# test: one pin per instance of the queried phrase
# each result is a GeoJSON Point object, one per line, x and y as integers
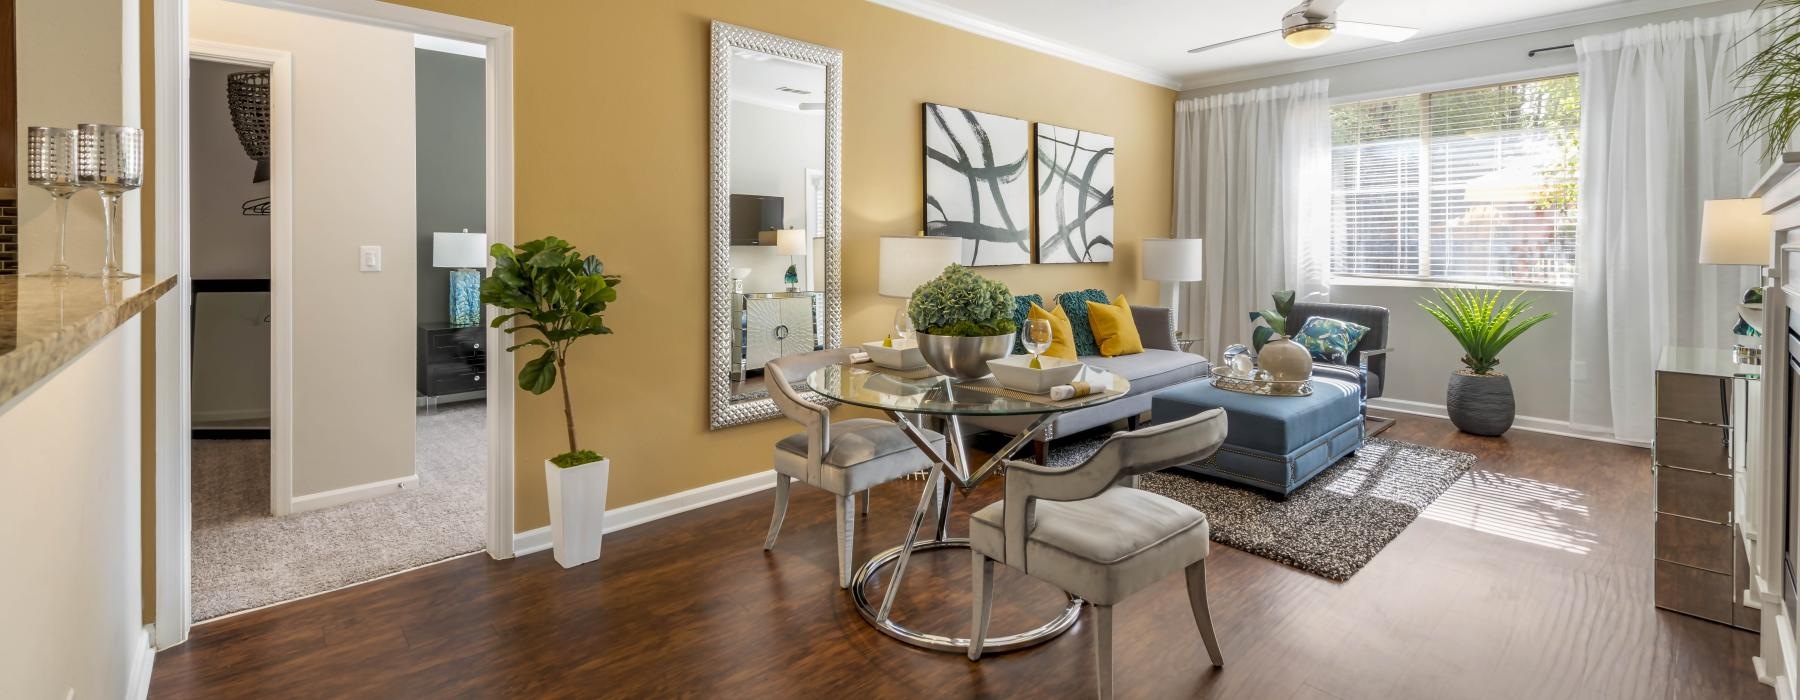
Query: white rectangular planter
{"type": "Point", "coordinates": [577, 510]}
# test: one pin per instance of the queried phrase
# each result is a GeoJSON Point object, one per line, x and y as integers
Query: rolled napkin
{"type": "Point", "coordinates": [859, 357]}
{"type": "Point", "coordinates": [1064, 392]}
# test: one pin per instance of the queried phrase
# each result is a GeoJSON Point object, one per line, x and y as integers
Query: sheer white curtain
{"type": "Point", "coordinates": [1654, 148]}
{"type": "Point", "coordinates": [1253, 178]}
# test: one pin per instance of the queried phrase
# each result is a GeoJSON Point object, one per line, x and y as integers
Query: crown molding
{"type": "Point", "coordinates": [1561, 20]}
{"type": "Point", "coordinates": [975, 24]}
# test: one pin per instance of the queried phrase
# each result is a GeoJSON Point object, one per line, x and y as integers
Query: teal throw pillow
{"type": "Point", "coordinates": [1022, 311]}
{"type": "Point", "coordinates": [1329, 339]}
{"type": "Point", "coordinates": [1075, 305]}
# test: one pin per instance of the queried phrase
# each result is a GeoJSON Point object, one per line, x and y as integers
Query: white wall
{"type": "Point", "coordinates": [223, 242]}
{"type": "Point", "coordinates": [354, 185]}
{"type": "Point", "coordinates": [771, 149]}
{"type": "Point", "coordinates": [69, 507]}
{"type": "Point", "coordinates": [1538, 362]}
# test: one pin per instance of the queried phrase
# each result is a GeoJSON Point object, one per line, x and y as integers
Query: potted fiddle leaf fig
{"type": "Point", "coordinates": [1480, 398]}
{"type": "Point", "coordinates": [549, 289]}
{"type": "Point", "coordinates": [963, 320]}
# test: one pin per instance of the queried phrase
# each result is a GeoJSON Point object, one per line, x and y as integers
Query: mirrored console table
{"type": "Point", "coordinates": [1705, 408]}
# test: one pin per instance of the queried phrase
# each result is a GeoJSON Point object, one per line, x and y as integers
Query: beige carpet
{"type": "Point", "coordinates": [243, 558]}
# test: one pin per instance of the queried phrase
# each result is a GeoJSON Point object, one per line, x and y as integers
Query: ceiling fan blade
{"type": "Point", "coordinates": [1209, 47]}
{"type": "Point", "coordinates": [1383, 32]}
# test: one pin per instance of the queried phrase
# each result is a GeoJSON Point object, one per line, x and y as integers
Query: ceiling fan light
{"type": "Point", "coordinates": [1307, 36]}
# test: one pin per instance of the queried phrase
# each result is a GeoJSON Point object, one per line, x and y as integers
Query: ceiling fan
{"type": "Point", "coordinates": [1314, 21]}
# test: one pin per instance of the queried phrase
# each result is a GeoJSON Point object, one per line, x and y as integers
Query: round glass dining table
{"type": "Point", "coordinates": [912, 399]}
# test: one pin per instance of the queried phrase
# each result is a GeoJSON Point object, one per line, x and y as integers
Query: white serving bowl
{"type": "Point", "coordinates": [903, 356]}
{"type": "Point", "coordinates": [1015, 372]}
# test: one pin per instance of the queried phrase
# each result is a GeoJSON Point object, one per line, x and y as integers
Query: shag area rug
{"type": "Point", "coordinates": [1332, 526]}
{"type": "Point", "coordinates": [245, 558]}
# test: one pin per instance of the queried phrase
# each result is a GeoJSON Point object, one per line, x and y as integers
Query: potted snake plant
{"type": "Point", "coordinates": [1480, 398]}
{"type": "Point", "coordinates": [548, 288]}
{"type": "Point", "coordinates": [963, 320]}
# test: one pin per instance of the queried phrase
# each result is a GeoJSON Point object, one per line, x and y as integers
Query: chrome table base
{"type": "Point", "coordinates": [947, 472]}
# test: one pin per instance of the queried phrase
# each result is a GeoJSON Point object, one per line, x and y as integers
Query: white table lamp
{"type": "Point", "coordinates": [466, 254]}
{"type": "Point", "coordinates": [791, 242]}
{"type": "Point", "coordinates": [1173, 261]}
{"type": "Point", "coordinates": [1736, 232]}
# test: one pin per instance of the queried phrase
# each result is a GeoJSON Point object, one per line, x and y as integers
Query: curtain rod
{"type": "Point", "coordinates": [1534, 52]}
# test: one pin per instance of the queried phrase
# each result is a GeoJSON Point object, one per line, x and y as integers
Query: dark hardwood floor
{"type": "Point", "coordinates": [1530, 579]}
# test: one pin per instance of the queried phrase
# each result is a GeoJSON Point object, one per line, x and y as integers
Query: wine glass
{"type": "Point", "coordinates": [903, 325]}
{"type": "Point", "coordinates": [1035, 336]}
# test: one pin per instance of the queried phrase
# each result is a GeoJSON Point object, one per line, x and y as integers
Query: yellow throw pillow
{"type": "Point", "coordinates": [1062, 333]}
{"type": "Point", "coordinates": [1114, 329]}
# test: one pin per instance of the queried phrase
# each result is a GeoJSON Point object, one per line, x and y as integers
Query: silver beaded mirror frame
{"type": "Point", "coordinates": [726, 38]}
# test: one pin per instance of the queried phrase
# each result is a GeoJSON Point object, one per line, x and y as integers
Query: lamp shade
{"type": "Point", "coordinates": [909, 261]}
{"type": "Point", "coordinates": [459, 249]}
{"type": "Point", "coordinates": [1735, 232]}
{"type": "Point", "coordinates": [790, 241]}
{"type": "Point", "coordinates": [1173, 259]}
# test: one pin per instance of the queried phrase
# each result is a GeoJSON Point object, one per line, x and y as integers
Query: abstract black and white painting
{"type": "Point", "coordinates": [976, 185]}
{"type": "Point", "coordinates": [1075, 195]}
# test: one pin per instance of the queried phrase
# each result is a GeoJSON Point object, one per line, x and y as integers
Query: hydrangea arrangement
{"type": "Point", "coordinates": [964, 304]}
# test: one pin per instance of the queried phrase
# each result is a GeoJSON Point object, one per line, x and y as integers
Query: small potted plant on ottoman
{"type": "Point", "coordinates": [549, 288]}
{"type": "Point", "coordinates": [1480, 399]}
{"type": "Point", "coordinates": [963, 320]}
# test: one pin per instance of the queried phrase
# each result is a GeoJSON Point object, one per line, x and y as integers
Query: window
{"type": "Point", "coordinates": [1475, 185]}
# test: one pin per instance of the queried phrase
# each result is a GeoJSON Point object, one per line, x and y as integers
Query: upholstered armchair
{"type": "Point", "coordinates": [1367, 366]}
{"type": "Point", "coordinates": [843, 457]}
{"type": "Point", "coordinates": [1086, 530]}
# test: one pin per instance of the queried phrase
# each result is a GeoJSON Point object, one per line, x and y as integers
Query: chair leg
{"type": "Point", "coordinates": [782, 483]}
{"type": "Point", "coordinates": [982, 573]}
{"type": "Point", "coordinates": [1134, 422]}
{"type": "Point", "coordinates": [1103, 634]}
{"type": "Point", "coordinates": [846, 536]}
{"type": "Point", "coordinates": [1196, 585]}
{"type": "Point", "coordinates": [1042, 449]}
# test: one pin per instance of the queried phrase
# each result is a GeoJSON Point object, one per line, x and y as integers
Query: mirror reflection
{"type": "Point", "coordinates": [777, 213]}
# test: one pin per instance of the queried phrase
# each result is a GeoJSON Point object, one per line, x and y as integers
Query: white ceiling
{"type": "Point", "coordinates": [1151, 37]}
{"type": "Point", "coordinates": [760, 78]}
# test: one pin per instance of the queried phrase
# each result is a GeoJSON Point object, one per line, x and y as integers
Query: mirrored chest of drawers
{"type": "Point", "coordinates": [1703, 409]}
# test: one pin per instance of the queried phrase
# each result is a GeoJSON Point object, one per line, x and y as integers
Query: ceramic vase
{"type": "Point", "coordinates": [1480, 404]}
{"type": "Point", "coordinates": [1285, 360]}
{"type": "Point", "coordinates": [577, 510]}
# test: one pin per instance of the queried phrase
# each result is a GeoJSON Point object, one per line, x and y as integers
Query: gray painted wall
{"type": "Point", "coordinates": [452, 163]}
{"type": "Point", "coordinates": [1538, 361]}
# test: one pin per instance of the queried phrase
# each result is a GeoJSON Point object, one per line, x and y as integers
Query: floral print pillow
{"type": "Point", "coordinates": [1329, 339]}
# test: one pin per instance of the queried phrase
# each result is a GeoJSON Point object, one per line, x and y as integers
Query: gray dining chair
{"type": "Point", "coordinates": [1087, 530]}
{"type": "Point", "coordinates": [843, 457]}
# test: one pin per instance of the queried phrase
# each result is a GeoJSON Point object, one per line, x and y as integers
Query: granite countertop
{"type": "Point", "coordinates": [45, 323]}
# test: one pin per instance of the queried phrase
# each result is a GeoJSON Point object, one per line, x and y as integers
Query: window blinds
{"type": "Point", "coordinates": [1474, 185]}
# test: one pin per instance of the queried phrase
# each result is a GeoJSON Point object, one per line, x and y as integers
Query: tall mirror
{"type": "Point", "coordinates": [774, 219]}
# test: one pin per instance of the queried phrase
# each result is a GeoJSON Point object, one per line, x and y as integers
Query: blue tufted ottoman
{"type": "Point", "coordinates": [1274, 443]}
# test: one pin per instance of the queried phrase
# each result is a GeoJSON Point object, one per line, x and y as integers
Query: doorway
{"type": "Point", "coordinates": [485, 447]}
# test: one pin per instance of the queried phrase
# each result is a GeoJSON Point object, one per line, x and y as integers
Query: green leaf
{"type": "Point", "coordinates": [534, 341]}
{"type": "Point", "coordinates": [539, 375]}
{"type": "Point", "coordinates": [1261, 335]}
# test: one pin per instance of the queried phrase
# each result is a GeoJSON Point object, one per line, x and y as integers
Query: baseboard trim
{"type": "Point", "coordinates": [327, 499]}
{"type": "Point", "coordinates": [235, 414]}
{"type": "Point", "coordinates": [143, 660]}
{"type": "Point", "coordinates": [1532, 424]}
{"type": "Point", "coordinates": [657, 508]}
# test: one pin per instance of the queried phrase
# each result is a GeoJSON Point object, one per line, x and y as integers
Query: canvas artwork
{"type": "Point", "coordinates": [976, 184]}
{"type": "Point", "coordinates": [1075, 195]}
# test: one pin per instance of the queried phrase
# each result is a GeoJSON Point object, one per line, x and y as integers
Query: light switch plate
{"type": "Point", "coordinates": [371, 258]}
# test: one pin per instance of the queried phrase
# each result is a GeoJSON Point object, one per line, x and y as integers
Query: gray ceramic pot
{"type": "Point", "coordinates": [963, 358]}
{"type": "Point", "coordinates": [1480, 404]}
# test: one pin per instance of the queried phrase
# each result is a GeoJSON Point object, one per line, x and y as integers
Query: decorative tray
{"type": "Point", "coordinates": [1260, 387]}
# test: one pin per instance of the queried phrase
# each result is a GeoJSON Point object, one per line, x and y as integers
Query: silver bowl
{"type": "Point", "coordinates": [961, 358]}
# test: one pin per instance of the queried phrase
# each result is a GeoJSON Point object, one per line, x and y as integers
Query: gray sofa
{"type": "Point", "coordinates": [1160, 366]}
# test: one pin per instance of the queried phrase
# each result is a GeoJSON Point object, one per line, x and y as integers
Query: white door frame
{"type": "Point", "coordinates": [173, 346]}
{"type": "Point", "coordinates": [281, 254]}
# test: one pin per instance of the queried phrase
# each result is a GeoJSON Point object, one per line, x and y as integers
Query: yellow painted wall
{"type": "Point", "coordinates": [611, 140]}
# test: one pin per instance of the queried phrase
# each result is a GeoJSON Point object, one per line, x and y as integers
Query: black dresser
{"type": "Point", "coordinates": [452, 360]}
